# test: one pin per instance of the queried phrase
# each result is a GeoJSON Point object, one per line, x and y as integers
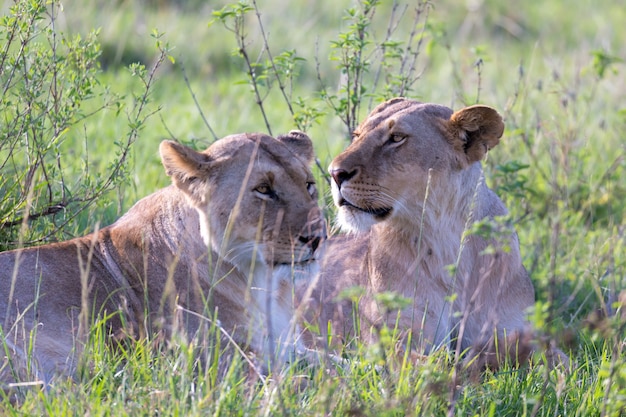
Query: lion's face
{"type": "Point", "coordinates": [401, 150]}
{"type": "Point", "coordinates": [259, 194]}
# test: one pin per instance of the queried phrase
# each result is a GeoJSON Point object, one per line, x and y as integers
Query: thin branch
{"type": "Point", "coordinates": [20, 54]}
{"type": "Point", "coordinates": [281, 86]}
{"type": "Point", "coordinates": [479, 69]}
{"type": "Point", "coordinates": [391, 28]}
{"type": "Point", "coordinates": [241, 42]}
{"type": "Point", "coordinates": [195, 100]}
{"type": "Point", "coordinates": [52, 209]}
{"type": "Point", "coordinates": [407, 83]}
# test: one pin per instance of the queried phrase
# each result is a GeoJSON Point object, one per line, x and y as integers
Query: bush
{"type": "Point", "coordinates": [49, 90]}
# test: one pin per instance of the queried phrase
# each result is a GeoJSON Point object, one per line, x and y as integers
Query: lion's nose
{"type": "Point", "coordinates": [341, 175]}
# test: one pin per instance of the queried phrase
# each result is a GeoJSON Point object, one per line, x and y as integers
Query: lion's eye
{"type": "Point", "coordinates": [310, 187]}
{"type": "Point", "coordinates": [397, 138]}
{"type": "Point", "coordinates": [264, 190]}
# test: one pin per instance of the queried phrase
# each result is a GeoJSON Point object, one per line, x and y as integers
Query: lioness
{"type": "Point", "coordinates": [222, 243]}
{"type": "Point", "coordinates": [408, 188]}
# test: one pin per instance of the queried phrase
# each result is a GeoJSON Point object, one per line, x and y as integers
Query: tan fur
{"type": "Point", "coordinates": [408, 188]}
{"type": "Point", "coordinates": [240, 220]}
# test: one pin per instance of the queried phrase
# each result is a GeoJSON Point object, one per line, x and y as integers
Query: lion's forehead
{"type": "Point", "coordinates": [289, 178]}
{"type": "Point", "coordinates": [241, 143]}
{"type": "Point", "coordinates": [403, 114]}
{"type": "Point", "coordinates": [266, 153]}
{"type": "Point", "coordinates": [282, 159]}
{"type": "Point", "coordinates": [286, 174]}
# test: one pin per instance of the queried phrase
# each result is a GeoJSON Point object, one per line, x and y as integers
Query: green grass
{"type": "Point", "coordinates": [561, 170]}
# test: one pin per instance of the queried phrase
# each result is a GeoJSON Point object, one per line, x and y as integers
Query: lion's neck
{"type": "Point", "coordinates": [430, 240]}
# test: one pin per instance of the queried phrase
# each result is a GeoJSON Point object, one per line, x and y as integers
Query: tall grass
{"type": "Point", "coordinates": [554, 69]}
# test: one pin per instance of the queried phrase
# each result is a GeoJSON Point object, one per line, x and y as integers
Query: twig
{"type": "Point", "coordinates": [479, 67]}
{"type": "Point", "coordinates": [206, 122]}
{"type": "Point", "coordinates": [52, 209]}
{"type": "Point", "coordinates": [422, 8]}
{"type": "Point", "coordinates": [391, 28]}
{"type": "Point", "coordinates": [324, 91]}
{"type": "Point", "coordinates": [281, 86]}
{"type": "Point", "coordinates": [241, 42]}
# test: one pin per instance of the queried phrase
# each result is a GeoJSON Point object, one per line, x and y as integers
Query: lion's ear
{"type": "Point", "coordinates": [475, 130]}
{"type": "Point", "coordinates": [183, 164]}
{"type": "Point", "coordinates": [299, 143]}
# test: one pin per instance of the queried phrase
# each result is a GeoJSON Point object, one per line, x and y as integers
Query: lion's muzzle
{"type": "Point", "coordinates": [342, 190]}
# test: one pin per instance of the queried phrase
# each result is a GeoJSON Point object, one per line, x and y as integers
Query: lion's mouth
{"type": "Point", "coordinates": [299, 260]}
{"type": "Point", "coordinates": [380, 213]}
{"type": "Point", "coordinates": [296, 267]}
{"type": "Point", "coordinates": [297, 264]}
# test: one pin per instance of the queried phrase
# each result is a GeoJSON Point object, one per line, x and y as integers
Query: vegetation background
{"type": "Point", "coordinates": [554, 69]}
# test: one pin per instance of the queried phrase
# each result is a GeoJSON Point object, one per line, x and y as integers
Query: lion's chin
{"type": "Point", "coordinates": [356, 220]}
{"type": "Point", "coordinates": [296, 271]}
